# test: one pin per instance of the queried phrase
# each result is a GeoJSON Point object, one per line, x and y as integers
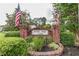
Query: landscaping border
{"type": "Point", "coordinates": [57, 52]}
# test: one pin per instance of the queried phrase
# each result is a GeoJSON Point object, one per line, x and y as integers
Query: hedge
{"type": "Point", "coordinates": [12, 34]}
{"type": "Point", "coordinates": [13, 47]}
{"type": "Point", "coordinates": [67, 38]}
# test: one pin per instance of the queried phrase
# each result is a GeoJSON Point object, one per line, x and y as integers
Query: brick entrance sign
{"type": "Point", "coordinates": [24, 22]}
{"type": "Point", "coordinates": [26, 28]}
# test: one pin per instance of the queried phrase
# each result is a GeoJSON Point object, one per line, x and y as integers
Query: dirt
{"type": "Point", "coordinates": [46, 48]}
{"type": "Point", "coordinates": [71, 51]}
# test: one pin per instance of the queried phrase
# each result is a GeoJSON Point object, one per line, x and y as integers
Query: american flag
{"type": "Point", "coordinates": [17, 18]}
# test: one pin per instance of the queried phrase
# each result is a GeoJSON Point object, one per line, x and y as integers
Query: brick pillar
{"type": "Point", "coordinates": [56, 34]}
{"type": "Point", "coordinates": [56, 28]}
{"type": "Point", "coordinates": [23, 32]}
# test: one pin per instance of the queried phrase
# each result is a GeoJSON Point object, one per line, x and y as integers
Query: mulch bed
{"type": "Point", "coordinates": [48, 52]}
{"type": "Point", "coordinates": [68, 51]}
{"type": "Point", "coordinates": [71, 51]}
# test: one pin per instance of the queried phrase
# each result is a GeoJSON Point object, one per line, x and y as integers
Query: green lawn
{"type": "Point", "coordinates": [2, 35]}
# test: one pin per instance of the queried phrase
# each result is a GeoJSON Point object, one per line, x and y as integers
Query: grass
{"type": "Point", "coordinates": [1, 35]}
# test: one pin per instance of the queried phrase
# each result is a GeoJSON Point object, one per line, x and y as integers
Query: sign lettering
{"type": "Point", "coordinates": [39, 32]}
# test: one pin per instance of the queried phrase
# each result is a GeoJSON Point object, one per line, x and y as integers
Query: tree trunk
{"type": "Point", "coordinates": [77, 33]}
{"type": "Point", "coordinates": [77, 38]}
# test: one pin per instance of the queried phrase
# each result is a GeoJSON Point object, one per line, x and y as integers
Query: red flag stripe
{"type": "Point", "coordinates": [18, 15]}
{"type": "Point", "coordinates": [17, 21]}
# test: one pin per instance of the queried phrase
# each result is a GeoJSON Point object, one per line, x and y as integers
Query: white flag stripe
{"type": "Point", "coordinates": [17, 21]}
{"type": "Point", "coordinates": [18, 16]}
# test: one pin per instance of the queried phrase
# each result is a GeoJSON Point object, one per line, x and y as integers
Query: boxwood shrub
{"type": "Point", "coordinates": [67, 38]}
{"type": "Point", "coordinates": [13, 47]}
{"type": "Point", "coordinates": [12, 34]}
{"type": "Point", "coordinates": [53, 45]}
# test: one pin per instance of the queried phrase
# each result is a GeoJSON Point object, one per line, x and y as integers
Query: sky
{"type": "Point", "coordinates": [35, 9]}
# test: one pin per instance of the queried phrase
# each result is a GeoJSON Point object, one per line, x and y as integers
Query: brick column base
{"type": "Point", "coordinates": [23, 32]}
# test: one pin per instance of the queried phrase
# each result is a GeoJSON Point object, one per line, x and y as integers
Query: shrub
{"type": "Point", "coordinates": [9, 28]}
{"type": "Point", "coordinates": [63, 28]}
{"type": "Point", "coordinates": [31, 46]}
{"type": "Point", "coordinates": [29, 43]}
{"type": "Point", "coordinates": [12, 47]}
{"type": "Point", "coordinates": [67, 38]}
{"type": "Point", "coordinates": [53, 45]}
{"type": "Point", "coordinates": [46, 26]}
{"type": "Point", "coordinates": [12, 34]}
{"type": "Point", "coordinates": [38, 43]}
{"type": "Point", "coordinates": [29, 39]}
{"type": "Point", "coordinates": [49, 39]}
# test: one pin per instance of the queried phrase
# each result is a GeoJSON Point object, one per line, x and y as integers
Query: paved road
{"type": "Point", "coordinates": [71, 51]}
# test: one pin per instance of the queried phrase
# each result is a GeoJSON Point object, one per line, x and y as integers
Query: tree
{"type": "Point", "coordinates": [25, 19]}
{"type": "Point", "coordinates": [69, 17]}
{"type": "Point", "coordinates": [43, 20]}
{"type": "Point", "coordinates": [10, 22]}
{"type": "Point", "coordinates": [39, 21]}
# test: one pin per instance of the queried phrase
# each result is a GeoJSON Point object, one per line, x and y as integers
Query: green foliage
{"type": "Point", "coordinates": [12, 34]}
{"type": "Point", "coordinates": [39, 21]}
{"type": "Point", "coordinates": [69, 18]}
{"type": "Point", "coordinates": [31, 46]}
{"type": "Point", "coordinates": [69, 15]}
{"type": "Point", "coordinates": [10, 22]}
{"type": "Point", "coordinates": [12, 47]}
{"type": "Point", "coordinates": [29, 39]}
{"type": "Point", "coordinates": [73, 26]}
{"type": "Point", "coordinates": [53, 45]}
{"type": "Point", "coordinates": [10, 28]}
{"type": "Point", "coordinates": [39, 42]}
{"type": "Point", "coordinates": [24, 19]}
{"type": "Point", "coordinates": [67, 38]}
{"type": "Point", "coordinates": [48, 40]}
{"type": "Point", "coordinates": [46, 26]}
{"type": "Point", "coordinates": [63, 28]}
